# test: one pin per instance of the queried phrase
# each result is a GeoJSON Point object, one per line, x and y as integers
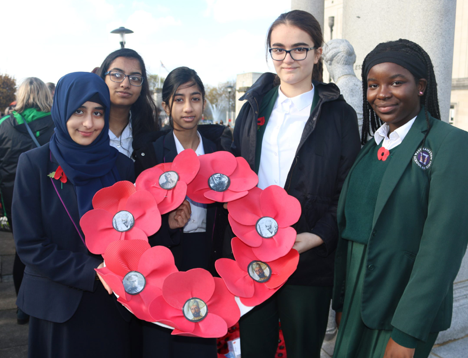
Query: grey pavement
{"type": "Point", "coordinates": [14, 338]}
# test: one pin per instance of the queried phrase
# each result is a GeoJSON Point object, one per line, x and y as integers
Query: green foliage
{"type": "Point", "coordinates": [216, 95]}
{"type": "Point", "coordinates": [7, 91]}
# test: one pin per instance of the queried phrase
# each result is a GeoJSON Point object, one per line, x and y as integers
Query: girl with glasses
{"type": "Point", "coordinates": [399, 254]}
{"type": "Point", "coordinates": [199, 242]}
{"type": "Point", "coordinates": [72, 314]}
{"type": "Point", "coordinates": [300, 134]}
{"type": "Point", "coordinates": [133, 114]}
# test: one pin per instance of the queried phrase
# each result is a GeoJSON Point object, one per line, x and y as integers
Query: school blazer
{"type": "Point", "coordinates": [419, 233]}
{"type": "Point", "coordinates": [59, 268]}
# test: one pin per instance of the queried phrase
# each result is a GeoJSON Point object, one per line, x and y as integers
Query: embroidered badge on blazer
{"type": "Point", "coordinates": [423, 158]}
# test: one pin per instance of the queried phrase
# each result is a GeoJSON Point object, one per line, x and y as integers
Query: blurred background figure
{"type": "Point", "coordinates": [33, 104]}
{"type": "Point", "coordinates": [51, 87]}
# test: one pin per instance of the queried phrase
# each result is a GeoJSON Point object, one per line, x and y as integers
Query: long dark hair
{"type": "Point", "coordinates": [429, 99]}
{"type": "Point", "coordinates": [174, 80]}
{"type": "Point", "coordinates": [307, 23]}
{"type": "Point", "coordinates": [144, 111]}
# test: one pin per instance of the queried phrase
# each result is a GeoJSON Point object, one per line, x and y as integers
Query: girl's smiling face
{"type": "Point", "coordinates": [86, 123]}
{"type": "Point", "coordinates": [186, 106]}
{"type": "Point", "coordinates": [394, 94]}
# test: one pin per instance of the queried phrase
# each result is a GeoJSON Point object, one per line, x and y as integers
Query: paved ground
{"type": "Point", "coordinates": [14, 338]}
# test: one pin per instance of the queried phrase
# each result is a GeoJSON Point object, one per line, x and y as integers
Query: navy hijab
{"type": "Point", "coordinates": [92, 167]}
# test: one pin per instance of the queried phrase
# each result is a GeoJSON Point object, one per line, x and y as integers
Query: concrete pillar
{"type": "Point", "coordinates": [315, 7]}
{"type": "Point", "coordinates": [430, 23]}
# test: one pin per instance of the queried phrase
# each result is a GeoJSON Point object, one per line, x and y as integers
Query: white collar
{"type": "Point", "coordinates": [126, 133]}
{"type": "Point", "coordinates": [298, 102]}
{"type": "Point", "coordinates": [180, 148]}
{"type": "Point", "coordinates": [397, 135]}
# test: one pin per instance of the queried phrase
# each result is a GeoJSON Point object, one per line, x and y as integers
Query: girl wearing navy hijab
{"type": "Point", "coordinates": [72, 315]}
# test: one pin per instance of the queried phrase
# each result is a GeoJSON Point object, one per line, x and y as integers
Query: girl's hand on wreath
{"type": "Point", "coordinates": [106, 286]}
{"type": "Point", "coordinates": [180, 216]}
{"type": "Point", "coordinates": [394, 350]}
{"type": "Point", "coordinates": [306, 241]}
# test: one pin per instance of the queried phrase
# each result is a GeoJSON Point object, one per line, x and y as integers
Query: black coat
{"type": "Point", "coordinates": [163, 150]}
{"type": "Point", "coordinates": [14, 140]}
{"type": "Point", "coordinates": [327, 150]}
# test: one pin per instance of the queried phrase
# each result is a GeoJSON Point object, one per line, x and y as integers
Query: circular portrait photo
{"type": "Point", "coordinates": [134, 282]}
{"type": "Point", "coordinates": [123, 221]}
{"type": "Point", "coordinates": [168, 180]}
{"type": "Point", "coordinates": [219, 182]}
{"type": "Point", "coordinates": [195, 310]}
{"type": "Point", "coordinates": [259, 271]}
{"type": "Point", "coordinates": [267, 227]}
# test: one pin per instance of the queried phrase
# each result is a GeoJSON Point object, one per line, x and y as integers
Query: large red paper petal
{"type": "Point", "coordinates": [262, 293]}
{"type": "Point", "coordinates": [282, 269]}
{"type": "Point", "coordinates": [181, 286]}
{"type": "Point", "coordinates": [243, 177]}
{"type": "Point", "coordinates": [237, 280]}
{"type": "Point", "coordinates": [113, 198]}
{"type": "Point", "coordinates": [225, 196]}
{"type": "Point", "coordinates": [98, 230]}
{"type": "Point", "coordinates": [156, 264]}
{"type": "Point", "coordinates": [223, 304]}
{"type": "Point", "coordinates": [277, 204]}
{"type": "Point", "coordinates": [113, 280]}
{"type": "Point", "coordinates": [161, 311]}
{"type": "Point", "coordinates": [124, 256]}
{"type": "Point", "coordinates": [134, 234]}
{"type": "Point", "coordinates": [276, 247]}
{"type": "Point", "coordinates": [138, 307]}
{"type": "Point", "coordinates": [243, 253]}
{"type": "Point", "coordinates": [187, 165]}
{"type": "Point", "coordinates": [173, 198]}
{"type": "Point", "coordinates": [212, 326]}
{"type": "Point", "coordinates": [149, 180]}
{"type": "Point", "coordinates": [198, 186]}
{"type": "Point", "coordinates": [145, 211]}
{"type": "Point", "coordinates": [246, 211]}
{"type": "Point", "coordinates": [247, 234]}
{"type": "Point", "coordinates": [219, 162]}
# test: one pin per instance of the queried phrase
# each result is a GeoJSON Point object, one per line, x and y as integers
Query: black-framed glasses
{"type": "Point", "coordinates": [119, 77]}
{"type": "Point", "coordinates": [297, 53]}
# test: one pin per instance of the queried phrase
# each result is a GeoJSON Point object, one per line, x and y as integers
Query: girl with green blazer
{"type": "Point", "coordinates": [401, 214]}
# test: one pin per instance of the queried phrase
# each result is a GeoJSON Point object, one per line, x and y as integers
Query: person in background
{"type": "Point", "coordinates": [402, 213]}
{"type": "Point", "coordinates": [298, 133]}
{"type": "Point", "coordinates": [133, 114]}
{"type": "Point", "coordinates": [33, 104]}
{"type": "Point", "coordinates": [51, 87]}
{"type": "Point", "coordinates": [72, 313]}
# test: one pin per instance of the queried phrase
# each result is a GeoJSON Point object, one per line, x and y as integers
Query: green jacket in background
{"type": "Point", "coordinates": [419, 233]}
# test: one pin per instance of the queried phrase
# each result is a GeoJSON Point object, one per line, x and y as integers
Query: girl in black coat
{"type": "Point", "coordinates": [303, 137]}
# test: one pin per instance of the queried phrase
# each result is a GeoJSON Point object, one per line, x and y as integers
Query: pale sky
{"type": "Point", "coordinates": [217, 38]}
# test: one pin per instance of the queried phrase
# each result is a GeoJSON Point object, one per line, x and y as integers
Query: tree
{"type": "Point", "coordinates": [153, 81]}
{"type": "Point", "coordinates": [7, 91]}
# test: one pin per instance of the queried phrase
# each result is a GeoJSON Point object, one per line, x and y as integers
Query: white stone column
{"type": "Point", "coordinates": [315, 7]}
{"type": "Point", "coordinates": [430, 23]}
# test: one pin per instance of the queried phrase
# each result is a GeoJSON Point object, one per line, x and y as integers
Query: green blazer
{"type": "Point", "coordinates": [419, 233]}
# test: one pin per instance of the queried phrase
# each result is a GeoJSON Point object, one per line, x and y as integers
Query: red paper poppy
{"type": "Point", "coordinates": [222, 177]}
{"type": "Point", "coordinates": [251, 279]}
{"type": "Point", "coordinates": [383, 153]}
{"type": "Point", "coordinates": [120, 213]}
{"type": "Point", "coordinates": [262, 220]}
{"type": "Point", "coordinates": [136, 272]}
{"type": "Point", "coordinates": [261, 121]}
{"type": "Point", "coordinates": [167, 182]}
{"type": "Point", "coordinates": [60, 175]}
{"type": "Point", "coordinates": [195, 304]}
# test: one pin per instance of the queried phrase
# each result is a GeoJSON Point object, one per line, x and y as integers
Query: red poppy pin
{"type": "Point", "coordinates": [59, 174]}
{"type": "Point", "coordinates": [383, 154]}
{"type": "Point", "coordinates": [260, 122]}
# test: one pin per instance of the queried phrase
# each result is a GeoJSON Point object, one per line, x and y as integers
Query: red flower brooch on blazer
{"type": "Point", "coordinates": [120, 213]}
{"type": "Point", "coordinates": [262, 220]}
{"type": "Point", "coordinates": [136, 272]}
{"type": "Point", "coordinates": [195, 304]}
{"type": "Point", "coordinates": [59, 174]}
{"type": "Point", "coordinates": [222, 177]}
{"type": "Point", "coordinates": [168, 182]}
{"type": "Point", "coordinates": [251, 279]}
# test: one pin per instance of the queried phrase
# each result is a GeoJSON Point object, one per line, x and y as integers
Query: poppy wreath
{"type": "Point", "coordinates": [193, 303]}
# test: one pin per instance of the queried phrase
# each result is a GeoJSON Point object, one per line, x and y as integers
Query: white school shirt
{"type": "Point", "coordinates": [395, 138]}
{"type": "Point", "coordinates": [123, 143]}
{"type": "Point", "coordinates": [282, 136]}
{"type": "Point", "coordinates": [197, 221]}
